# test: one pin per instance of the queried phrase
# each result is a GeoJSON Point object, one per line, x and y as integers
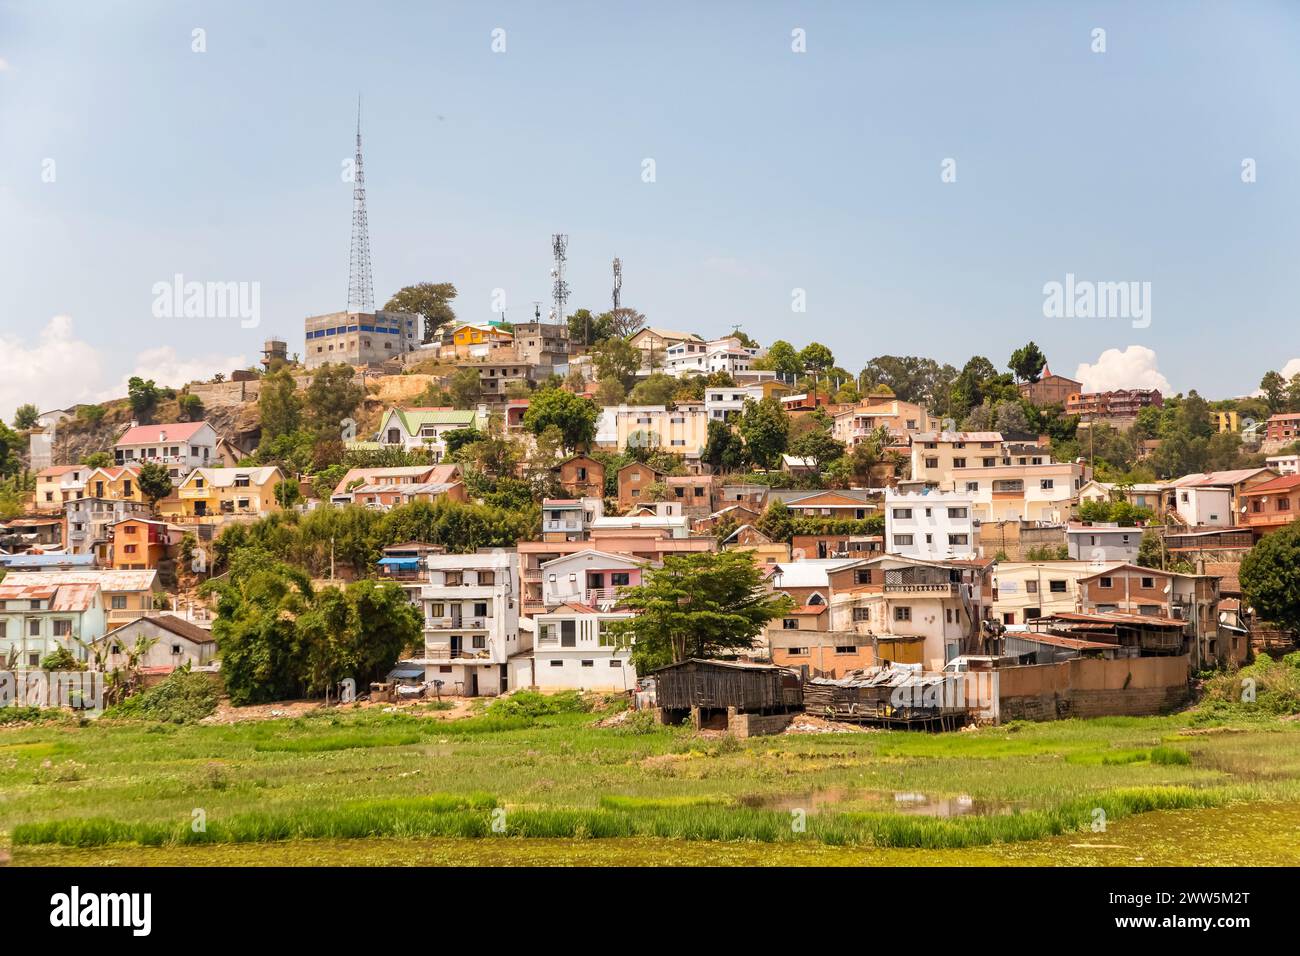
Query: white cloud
{"type": "Point", "coordinates": [1135, 367]}
{"type": "Point", "coordinates": [59, 370]}
{"type": "Point", "coordinates": [1291, 369]}
{"type": "Point", "coordinates": [4, 64]}
{"type": "Point", "coordinates": [56, 371]}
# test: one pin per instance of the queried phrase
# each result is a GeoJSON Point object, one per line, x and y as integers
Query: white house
{"type": "Point", "coordinates": [425, 428]}
{"type": "Point", "coordinates": [930, 525]}
{"type": "Point", "coordinates": [471, 621]}
{"type": "Point", "coordinates": [180, 447]}
{"type": "Point", "coordinates": [40, 613]}
{"type": "Point", "coordinates": [176, 642]}
{"type": "Point", "coordinates": [569, 519]}
{"type": "Point", "coordinates": [588, 577]}
{"type": "Point", "coordinates": [703, 358]}
{"type": "Point", "coordinates": [725, 401]}
{"type": "Point", "coordinates": [1102, 541]}
{"type": "Point", "coordinates": [573, 650]}
{"type": "Point", "coordinates": [1284, 464]}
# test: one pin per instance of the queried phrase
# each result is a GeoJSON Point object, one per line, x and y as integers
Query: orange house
{"type": "Point", "coordinates": [1271, 505]}
{"type": "Point", "coordinates": [140, 543]}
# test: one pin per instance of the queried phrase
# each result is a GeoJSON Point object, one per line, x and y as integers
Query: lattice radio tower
{"type": "Point", "coordinates": [361, 296]}
{"type": "Point", "coordinates": [560, 288]}
{"type": "Point", "coordinates": [618, 283]}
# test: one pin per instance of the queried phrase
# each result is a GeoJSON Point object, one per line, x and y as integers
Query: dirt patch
{"type": "Point", "coordinates": [227, 713]}
{"type": "Point", "coordinates": [809, 724]}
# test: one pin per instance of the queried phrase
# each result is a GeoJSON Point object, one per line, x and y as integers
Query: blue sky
{"type": "Point", "coordinates": [774, 171]}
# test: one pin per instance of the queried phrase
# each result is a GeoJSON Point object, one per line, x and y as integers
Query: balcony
{"type": "Point", "coordinates": [456, 623]}
{"type": "Point", "coordinates": [601, 597]}
{"type": "Point", "coordinates": [443, 652]}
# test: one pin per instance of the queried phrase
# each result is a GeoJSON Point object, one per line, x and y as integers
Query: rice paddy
{"type": "Point", "coordinates": [363, 778]}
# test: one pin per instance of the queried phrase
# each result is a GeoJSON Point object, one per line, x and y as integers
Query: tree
{"type": "Point", "coordinates": [704, 604]}
{"type": "Point", "coordinates": [624, 322]}
{"type": "Point", "coordinates": [143, 395]}
{"type": "Point", "coordinates": [588, 329]}
{"type": "Point", "coordinates": [98, 459]}
{"type": "Point", "coordinates": [355, 633]}
{"type": "Point", "coordinates": [765, 428]}
{"type": "Point", "coordinates": [191, 407]}
{"type": "Point", "coordinates": [465, 387]}
{"type": "Point", "coordinates": [1027, 363]}
{"type": "Point", "coordinates": [816, 358]}
{"type": "Point", "coordinates": [154, 482]}
{"type": "Point", "coordinates": [430, 300]}
{"type": "Point", "coordinates": [818, 445]}
{"type": "Point", "coordinates": [1273, 386]}
{"type": "Point", "coordinates": [332, 397]}
{"type": "Point", "coordinates": [617, 359]}
{"type": "Point", "coordinates": [573, 415]}
{"type": "Point", "coordinates": [279, 405]}
{"type": "Point", "coordinates": [287, 493]}
{"type": "Point", "coordinates": [658, 388]}
{"type": "Point", "coordinates": [776, 521]}
{"type": "Point", "coordinates": [782, 358]}
{"type": "Point", "coordinates": [911, 379]}
{"type": "Point", "coordinates": [1270, 578]}
{"type": "Point", "coordinates": [25, 417]}
{"type": "Point", "coordinates": [723, 450]}
{"type": "Point", "coordinates": [90, 414]}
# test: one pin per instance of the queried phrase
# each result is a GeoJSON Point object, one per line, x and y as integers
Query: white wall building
{"type": "Point", "coordinates": [930, 526]}
{"type": "Point", "coordinates": [1284, 464]}
{"type": "Point", "coordinates": [703, 358]}
{"type": "Point", "coordinates": [722, 402]}
{"type": "Point", "coordinates": [572, 650]}
{"type": "Point", "coordinates": [180, 447]}
{"type": "Point", "coordinates": [471, 621]}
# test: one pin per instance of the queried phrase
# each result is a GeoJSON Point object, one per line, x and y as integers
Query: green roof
{"type": "Point", "coordinates": [415, 419]}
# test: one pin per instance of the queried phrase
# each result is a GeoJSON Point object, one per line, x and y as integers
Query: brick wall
{"type": "Point", "coordinates": [1133, 686]}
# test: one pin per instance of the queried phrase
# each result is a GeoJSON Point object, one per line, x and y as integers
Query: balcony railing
{"type": "Point", "coordinates": [921, 587]}
{"type": "Point", "coordinates": [441, 652]}
{"type": "Point", "coordinates": [600, 597]}
{"type": "Point", "coordinates": [456, 623]}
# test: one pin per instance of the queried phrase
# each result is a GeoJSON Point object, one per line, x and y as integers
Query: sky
{"type": "Point", "coordinates": [914, 174]}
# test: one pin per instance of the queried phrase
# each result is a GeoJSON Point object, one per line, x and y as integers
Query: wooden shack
{"type": "Point", "coordinates": [891, 695]}
{"type": "Point", "coordinates": [738, 696]}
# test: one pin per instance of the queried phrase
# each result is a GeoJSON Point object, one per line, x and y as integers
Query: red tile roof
{"type": "Point", "coordinates": [157, 434]}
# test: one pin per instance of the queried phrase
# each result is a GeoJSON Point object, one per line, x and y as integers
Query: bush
{"type": "Point", "coordinates": [530, 703]}
{"type": "Point", "coordinates": [1275, 686]}
{"type": "Point", "coordinates": [184, 697]}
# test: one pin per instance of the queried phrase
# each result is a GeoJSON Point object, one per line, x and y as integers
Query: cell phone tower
{"type": "Point", "coordinates": [361, 296]}
{"type": "Point", "coordinates": [618, 283]}
{"type": "Point", "coordinates": [560, 288]}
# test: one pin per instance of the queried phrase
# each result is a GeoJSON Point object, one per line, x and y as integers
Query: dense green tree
{"type": "Point", "coordinates": [191, 407]}
{"type": "Point", "coordinates": [765, 428]}
{"type": "Point", "coordinates": [144, 396]}
{"type": "Point", "coordinates": [26, 416]}
{"type": "Point", "coordinates": [783, 359]}
{"type": "Point", "coordinates": [723, 449]}
{"type": "Point", "coordinates": [776, 521]}
{"type": "Point", "coordinates": [431, 300]}
{"type": "Point", "coordinates": [574, 416]}
{"type": "Point", "coordinates": [1027, 363]}
{"type": "Point", "coordinates": [98, 459]}
{"type": "Point", "coordinates": [703, 605]}
{"type": "Point", "coordinates": [464, 387]}
{"type": "Point", "coordinates": [332, 397]}
{"type": "Point", "coordinates": [818, 445]}
{"type": "Point", "coordinates": [154, 482]}
{"type": "Point", "coordinates": [618, 360]}
{"type": "Point", "coordinates": [279, 405]}
{"type": "Point", "coordinates": [816, 359]}
{"type": "Point", "coordinates": [658, 388]}
{"type": "Point", "coordinates": [1270, 578]}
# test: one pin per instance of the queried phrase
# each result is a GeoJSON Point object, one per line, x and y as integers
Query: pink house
{"type": "Point", "coordinates": [589, 577]}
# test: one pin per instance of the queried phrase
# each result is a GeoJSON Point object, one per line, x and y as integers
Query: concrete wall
{"type": "Point", "coordinates": [756, 725]}
{"type": "Point", "coordinates": [1133, 686]}
{"type": "Point", "coordinates": [226, 393]}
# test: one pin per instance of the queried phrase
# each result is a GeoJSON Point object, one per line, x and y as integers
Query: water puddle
{"type": "Point", "coordinates": [847, 799]}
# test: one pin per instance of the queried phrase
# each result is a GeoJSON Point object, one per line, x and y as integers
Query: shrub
{"type": "Point", "coordinates": [184, 697]}
{"type": "Point", "coordinates": [530, 703]}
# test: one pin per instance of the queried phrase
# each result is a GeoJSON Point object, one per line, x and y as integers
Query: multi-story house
{"type": "Point", "coordinates": [1050, 389]}
{"type": "Point", "coordinates": [936, 454]}
{"type": "Point", "coordinates": [423, 428]}
{"type": "Point", "coordinates": [655, 342]}
{"type": "Point", "coordinates": [1284, 464]}
{"type": "Point", "coordinates": [475, 340]}
{"type": "Point", "coordinates": [471, 607]}
{"type": "Point", "coordinates": [900, 419]}
{"type": "Point", "coordinates": [1038, 492]}
{"type": "Point", "coordinates": [930, 525]}
{"type": "Point", "coordinates": [682, 429]}
{"type": "Point", "coordinates": [179, 447]}
{"type": "Point", "coordinates": [1271, 505]}
{"type": "Point", "coordinates": [59, 483]}
{"type": "Point", "coordinates": [39, 615]}
{"type": "Point", "coordinates": [573, 649]}
{"type": "Point", "coordinates": [922, 612]}
{"type": "Point", "coordinates": [209, 492]}
{"type": "Point", "coordinates": [1027, 590]}
{"type": "Point", "coordinates": [118, 482]}
{"type": "Point", "coordinates": [543, 345]}
{"type": "Point", "coordinates": [649, 545]}
{"type": "Point", "coordinates": [497, 375]}
{"type": "Point", "coordinates": [1282, 429]}
{"type": "Point", "coordinates": [124, 595]}
{"type": "Point", "coordinates": [88, 522]}
{"type": "Point", "coordinates": [138, 544]}
{"type": "Point", "coordinates": [359, 338]}
{"type": "Point", "coordinates": [384, 496]}
{"type": "Point", "coordinates": [723, 402]}
{"type": "Point", "coordinates": [1102, 541]}
{"type": "Point", "coordinates": [1119, 407]}
{"type": "Point", "coordinates": [582, 476]}
{"type": "Point", "coordinates": [589, 577]}
{"type": "Point", "coordinates": [569, 519]}
{"type": "Point", "coordinates": [1225, 421]}
{"type": "Point", "coordinates": [725, 355]}
{"type": "Point", "coordinates": [1212, 499]}
{"type": "Point", "coordinates": [845, 504]}
{"type": "Point", "coordinates": [634, 481]}
{"type": "Point", "coordinates": [805, 635]}
{"type": "Point", "coordinates": [662, 522]}
{"type": "Point", "coordinates": [401, 475]}
{"type": "Point", "coordinates": [1143, 495]}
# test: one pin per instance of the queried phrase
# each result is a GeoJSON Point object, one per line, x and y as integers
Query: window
{"type": "Point", "coordinates": [1046, 484]}
{"type": "Point", "coordinates": [569, 633]}
{"type": "Point", "coordinates": [1056, 587]}
{"type": "Point", "coordinates": [958, 512]}
{"type": "Point", "coordinates": [902, 513]}
{"type": "Point", "coordinates": [1148, 609]}
{"type": "Point", "coordinates": [932, 463]}
{"type": "Point", "coordinates": [1148, 583]}
{"type": "Point", "coordinates": [1105, 583]}
{"type": "Point", "coordinates": [480, 609]}
{"type": "Point", "coordinates": [176, 650]}
{"type": "Point", "coordinates": [796, 651]}
{"type": "Point", "coordinates": [902, 540]}
{"type": "Point", "coordinates": [902, 613]}
{"type": "Point", "coordinates": [1031, 587]}
{"type": "Point", "coordinates": [845, 649]}
{"type": "Point", "coordinates": [959, 539]}
{"type": "Point", "coordinates": [790, 624]}
{"type": "Point", "coordinates": [615, 663]}
{"type": "Point", "coordinates": [34, 627]}
{"type": "Point", "coordinates": [959, 462]}
{"type": "Point", "coordinates": [118, 602]}
{"type": "Point", "coordinates": [620, 579]}
{"type": "Point", "coordinates": [557, 663]}
{"type": "Point", "coordinates": [972, 486]}
{"type": "Point", "coordinates": [479, 642]}
{"type": "Point", "coordinates": [862, 614]}
{"type": "Point", "coordinates": [62, 628]}
{"type": "Point", "coordinates": [990, 462]}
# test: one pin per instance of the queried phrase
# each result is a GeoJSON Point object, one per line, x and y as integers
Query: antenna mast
{"type": "Point", "coordinates": [560, 289]}
{"type": "Point", "coordinates": [361, 297]}
{"type": "Point", "coordinates": [618, 283]}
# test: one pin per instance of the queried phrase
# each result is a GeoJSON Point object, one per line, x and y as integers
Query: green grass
{"type": "Point", "coordinates": [547, 773]}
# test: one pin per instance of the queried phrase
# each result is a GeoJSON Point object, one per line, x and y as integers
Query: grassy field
{"type": "Point", "coordinates": [556, 788]}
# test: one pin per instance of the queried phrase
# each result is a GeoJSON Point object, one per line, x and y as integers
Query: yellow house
{"type": "Point", "coordinates": [224, 491]}
{"type": "Point", "coordinates": [682, 430]}
{"type": "Point", "coordinates": [1225, 421]}
{"type": "Point", "coordinates": [475, 334]}
{"type": "Point", "coordinates": [58, 484]}
{"type": "Point", "coordinates": [120, 483]}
